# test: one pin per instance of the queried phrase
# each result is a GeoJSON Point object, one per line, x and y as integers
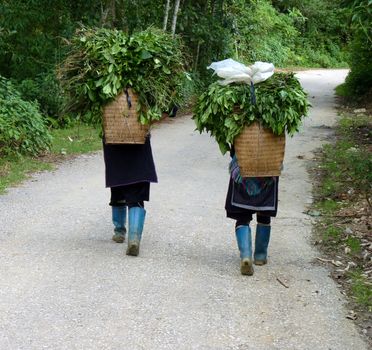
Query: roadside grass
{"type": "Point", "coordinates": [343, 199]}
{"type": "Point", "coordinates": [76, 140]}
{"type": "Point", "coordinates": [361, 289]}
{"type": "Point", "coordinates": [15, 169]}
{"type": "Point", "coordinates": [66, 143]}
{"type": "Point", "coordinates": [341, 90]}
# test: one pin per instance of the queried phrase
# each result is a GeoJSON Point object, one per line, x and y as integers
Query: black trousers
{"type": "Point", "coordinates": [132, 195]}
{"type": "Point", "coordinates": [261, 219]}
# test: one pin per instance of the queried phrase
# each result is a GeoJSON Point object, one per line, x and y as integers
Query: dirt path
{"type": "Point", "coordinates": [65, 285]}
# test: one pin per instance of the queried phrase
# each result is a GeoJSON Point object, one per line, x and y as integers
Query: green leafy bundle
{"type": "Point", "coordinates": [103, 62]}
{"type": "Point", "coordinates": [225, 110]}
{"type": "Point", "coordinates": [22, 127]}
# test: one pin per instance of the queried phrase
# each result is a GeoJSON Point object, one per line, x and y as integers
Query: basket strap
{"type": "Point", "coordinates": [129, 99]}
{"type": "Point", "coordinates": [253, 94]}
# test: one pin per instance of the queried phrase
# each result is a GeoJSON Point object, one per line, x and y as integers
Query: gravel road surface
{"type": "Point", "coordinates": [65, 285]}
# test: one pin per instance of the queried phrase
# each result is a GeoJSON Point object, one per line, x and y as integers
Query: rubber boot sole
{"type": "Point", "coordinates": [133, 248]}
{"type": "Point", "coordinates": [118, 238]}
{"type": "Point", "coordinates": [260, 262]}
{"type": "Point", "coordinates": [246, 267]}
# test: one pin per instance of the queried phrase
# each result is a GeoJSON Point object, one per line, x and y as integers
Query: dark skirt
{"type": "Point", "coordinates": [129, 164]}
{"type": "Point", "coordinates": [241, 205]}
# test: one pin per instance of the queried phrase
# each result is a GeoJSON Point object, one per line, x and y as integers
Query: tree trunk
{"type": "Point", "coordinates": [213, 7]}
{"type": "Point", "coordinates": [108, 16]}
{"type": "Point", "coordinates": [197, 57]}
{"type": "Point", "coordinates": [166, 14]}
{"type": "Point", "coordinates": [112, 6]}
{"type": "Point", "coordinates": [175, 14]}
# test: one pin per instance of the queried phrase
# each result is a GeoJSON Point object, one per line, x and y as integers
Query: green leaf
{"type": "Point", "coordinates": [91, 95]}
{"type": "Point", "coordinates": [145, 55]}
{"type": "Point", "coordinates": [107, 89]}
{"type": "Point", "coordinates": [214, 109]}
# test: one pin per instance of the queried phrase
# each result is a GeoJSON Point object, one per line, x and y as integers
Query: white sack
{"type": "Point", "coordinates": [235, 72]}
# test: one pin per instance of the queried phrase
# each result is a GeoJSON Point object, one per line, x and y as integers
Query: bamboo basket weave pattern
{"type": "Point", "coordinates": [120, 121]}
{"type": "Point", "coordinates": [259, 152]}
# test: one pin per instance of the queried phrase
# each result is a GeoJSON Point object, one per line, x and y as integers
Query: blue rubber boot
{"type": "Point", "coordinates": [119, 215]}
{"type": "Point", "coordinates": [244, 239]}
{"type": "Point", "coordinates": [261, 244]}
{"type": "Point", "coordinates": [136, 220]}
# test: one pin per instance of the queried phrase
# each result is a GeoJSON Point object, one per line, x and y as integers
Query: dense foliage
{"type": "Point", "coordinates": [285, 32]}
{"type": "Point", "coordinates": [359, 80]}
{"type": "Point", "coordinates": [225, 110]}
{"type": "Point", "coordinates": [103, 62]}
{"type": "Point", "coordinates": [22, 128]}
{"type": "Point", "coordinates": [264, 34]}
{"type": "Point", "coordinates": [322, 30]}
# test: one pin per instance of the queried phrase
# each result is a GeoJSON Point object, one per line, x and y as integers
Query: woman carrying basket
{"type": "Point", "coordinates": [129, 171]}
{"type": "Point", "coordinates": [247, 196]}
{"type": "Point", "coordinates": [256, 125]}
{"type": "Point", "coordinates": [129, 168]}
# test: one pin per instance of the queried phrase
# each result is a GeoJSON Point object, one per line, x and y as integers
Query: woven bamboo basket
{"type": "Point", "coordinates": [120, 120]}
{"type": "Point", "coordinates": [259, 152]}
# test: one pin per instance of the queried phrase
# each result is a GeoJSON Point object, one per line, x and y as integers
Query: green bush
{"type": "Point", "coordinates": [46, 90]}
{"type": "Point", "coordinates": [263, 34]}
{"type": "Point", "coordinates": [22, 128]}
{"type": "Point", "coordinates": [322, 31]}
{"type": "Point", "coordinates": [359, 80]}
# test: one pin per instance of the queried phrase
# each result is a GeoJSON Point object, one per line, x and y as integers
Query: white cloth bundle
{"type": "Point", "coordinates": [234, 72]}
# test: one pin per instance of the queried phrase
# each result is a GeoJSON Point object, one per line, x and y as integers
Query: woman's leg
{"type": "Point", "coordinates": [136, 220]}
{"type": "Point", "coordinates": [244, 240]}
{"type": "Point", "coordinates": [119, 214]}
{"type": "Point", "coordinates": [262, 239]}
{"type": "Point", "coordinates": [131, 197]}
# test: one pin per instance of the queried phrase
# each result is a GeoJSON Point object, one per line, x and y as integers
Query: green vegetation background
{"type": "Point", "coordinates": [289, 33]}
{"type": "Point", "coordinates": [306, 33]}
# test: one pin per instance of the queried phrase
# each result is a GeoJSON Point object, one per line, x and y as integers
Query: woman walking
{"type": "Point", "coordinates": [129, 169]}
{"type": "Point", "coordinates": [247, 196]}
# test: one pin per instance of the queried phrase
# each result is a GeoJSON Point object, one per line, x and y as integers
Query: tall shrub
{"type": "Point", "coordinates": [322, 28]}
{"type": "Point", "coordinates": [262, 33]}
{"type": "Point", "coordinates": [22, 128]}
{"type": "Point", "coordinates": [359, 80]}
